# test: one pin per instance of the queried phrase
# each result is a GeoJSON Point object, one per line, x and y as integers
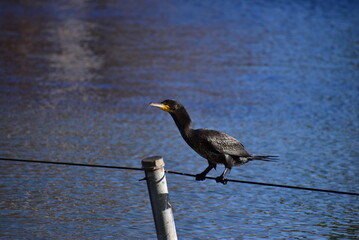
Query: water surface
{"type": "Point", "coordinates": [76, 80]}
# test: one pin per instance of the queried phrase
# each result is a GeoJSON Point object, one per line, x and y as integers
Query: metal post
{"type": "Point", "coordinates": [161, 206]}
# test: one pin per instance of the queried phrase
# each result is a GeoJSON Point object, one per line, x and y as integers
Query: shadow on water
{"type": "Point", "coordinates": [76, 80]}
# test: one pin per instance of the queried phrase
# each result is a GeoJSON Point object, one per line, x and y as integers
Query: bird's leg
{"type": "Point", "coordinates": [221, 178]}
{"type": "Point", "coordinates": [202, 175]}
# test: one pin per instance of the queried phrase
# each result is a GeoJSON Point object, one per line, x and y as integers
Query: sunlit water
{"type": "Point", "coordinates": [76, 80]}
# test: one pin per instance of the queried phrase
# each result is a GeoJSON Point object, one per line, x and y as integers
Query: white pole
{"type": "Point", "coordinates": [161, 206]}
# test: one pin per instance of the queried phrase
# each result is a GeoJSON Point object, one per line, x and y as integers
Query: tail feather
{"type": "Point", "coordinates": [243, 160]}
{"type": "Point", "coordinates": [264, 158]}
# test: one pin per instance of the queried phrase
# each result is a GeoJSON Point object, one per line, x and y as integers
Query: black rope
{"type": "Point", "coordinates": [70, 164]}
{"type": "Point", "coordinates": [180, 173]}
{"type": "Point", "coordinates": [271, 184]}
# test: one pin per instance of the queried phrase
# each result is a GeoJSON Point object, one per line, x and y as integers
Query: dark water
{"type": "Point", "coordinates": [76, 78]}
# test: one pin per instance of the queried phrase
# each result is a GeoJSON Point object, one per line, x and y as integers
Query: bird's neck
{"type": "Point", "coordinates": [183, 122]}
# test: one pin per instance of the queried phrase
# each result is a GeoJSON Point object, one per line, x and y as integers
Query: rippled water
{"type": "Point", "coordinates": [76, 78]}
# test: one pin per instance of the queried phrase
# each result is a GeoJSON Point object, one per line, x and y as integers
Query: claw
{"type": "Point", "coordinates": [222, 180]}
{"type": "Point", "coordinates": [200, 177]}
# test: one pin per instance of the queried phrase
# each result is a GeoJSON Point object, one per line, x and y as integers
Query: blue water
{"type": "Point", "coordinates": [76, 78]}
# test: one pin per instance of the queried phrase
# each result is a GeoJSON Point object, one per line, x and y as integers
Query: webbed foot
{"type": "Point", "coordinates": [222, 180]}
{"type": "Point", "coordinates": [200, 177]}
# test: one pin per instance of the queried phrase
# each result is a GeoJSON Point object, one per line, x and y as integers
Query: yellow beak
{"type": "Point", "coordinates": [161, 106]}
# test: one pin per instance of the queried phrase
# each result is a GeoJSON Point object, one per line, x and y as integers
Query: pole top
{"type": "Point", "coordinates": [153, 163]}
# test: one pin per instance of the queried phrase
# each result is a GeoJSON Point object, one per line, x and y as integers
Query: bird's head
{"type": "Point", "coordinates": [168, 105]}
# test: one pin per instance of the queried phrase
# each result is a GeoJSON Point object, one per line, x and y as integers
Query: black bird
{"type": "Point", "coordinates": [217, 147]}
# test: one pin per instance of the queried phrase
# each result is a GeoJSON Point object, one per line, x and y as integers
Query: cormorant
{"type": "Point", "coordinates": [217, 147]}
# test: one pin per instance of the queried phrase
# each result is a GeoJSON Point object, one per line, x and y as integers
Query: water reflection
{"type": "Point", "coordinates": [75, 61]}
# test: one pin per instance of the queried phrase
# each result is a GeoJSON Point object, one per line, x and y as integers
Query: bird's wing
{"type": "Point", "coordinates": [222, 142]}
